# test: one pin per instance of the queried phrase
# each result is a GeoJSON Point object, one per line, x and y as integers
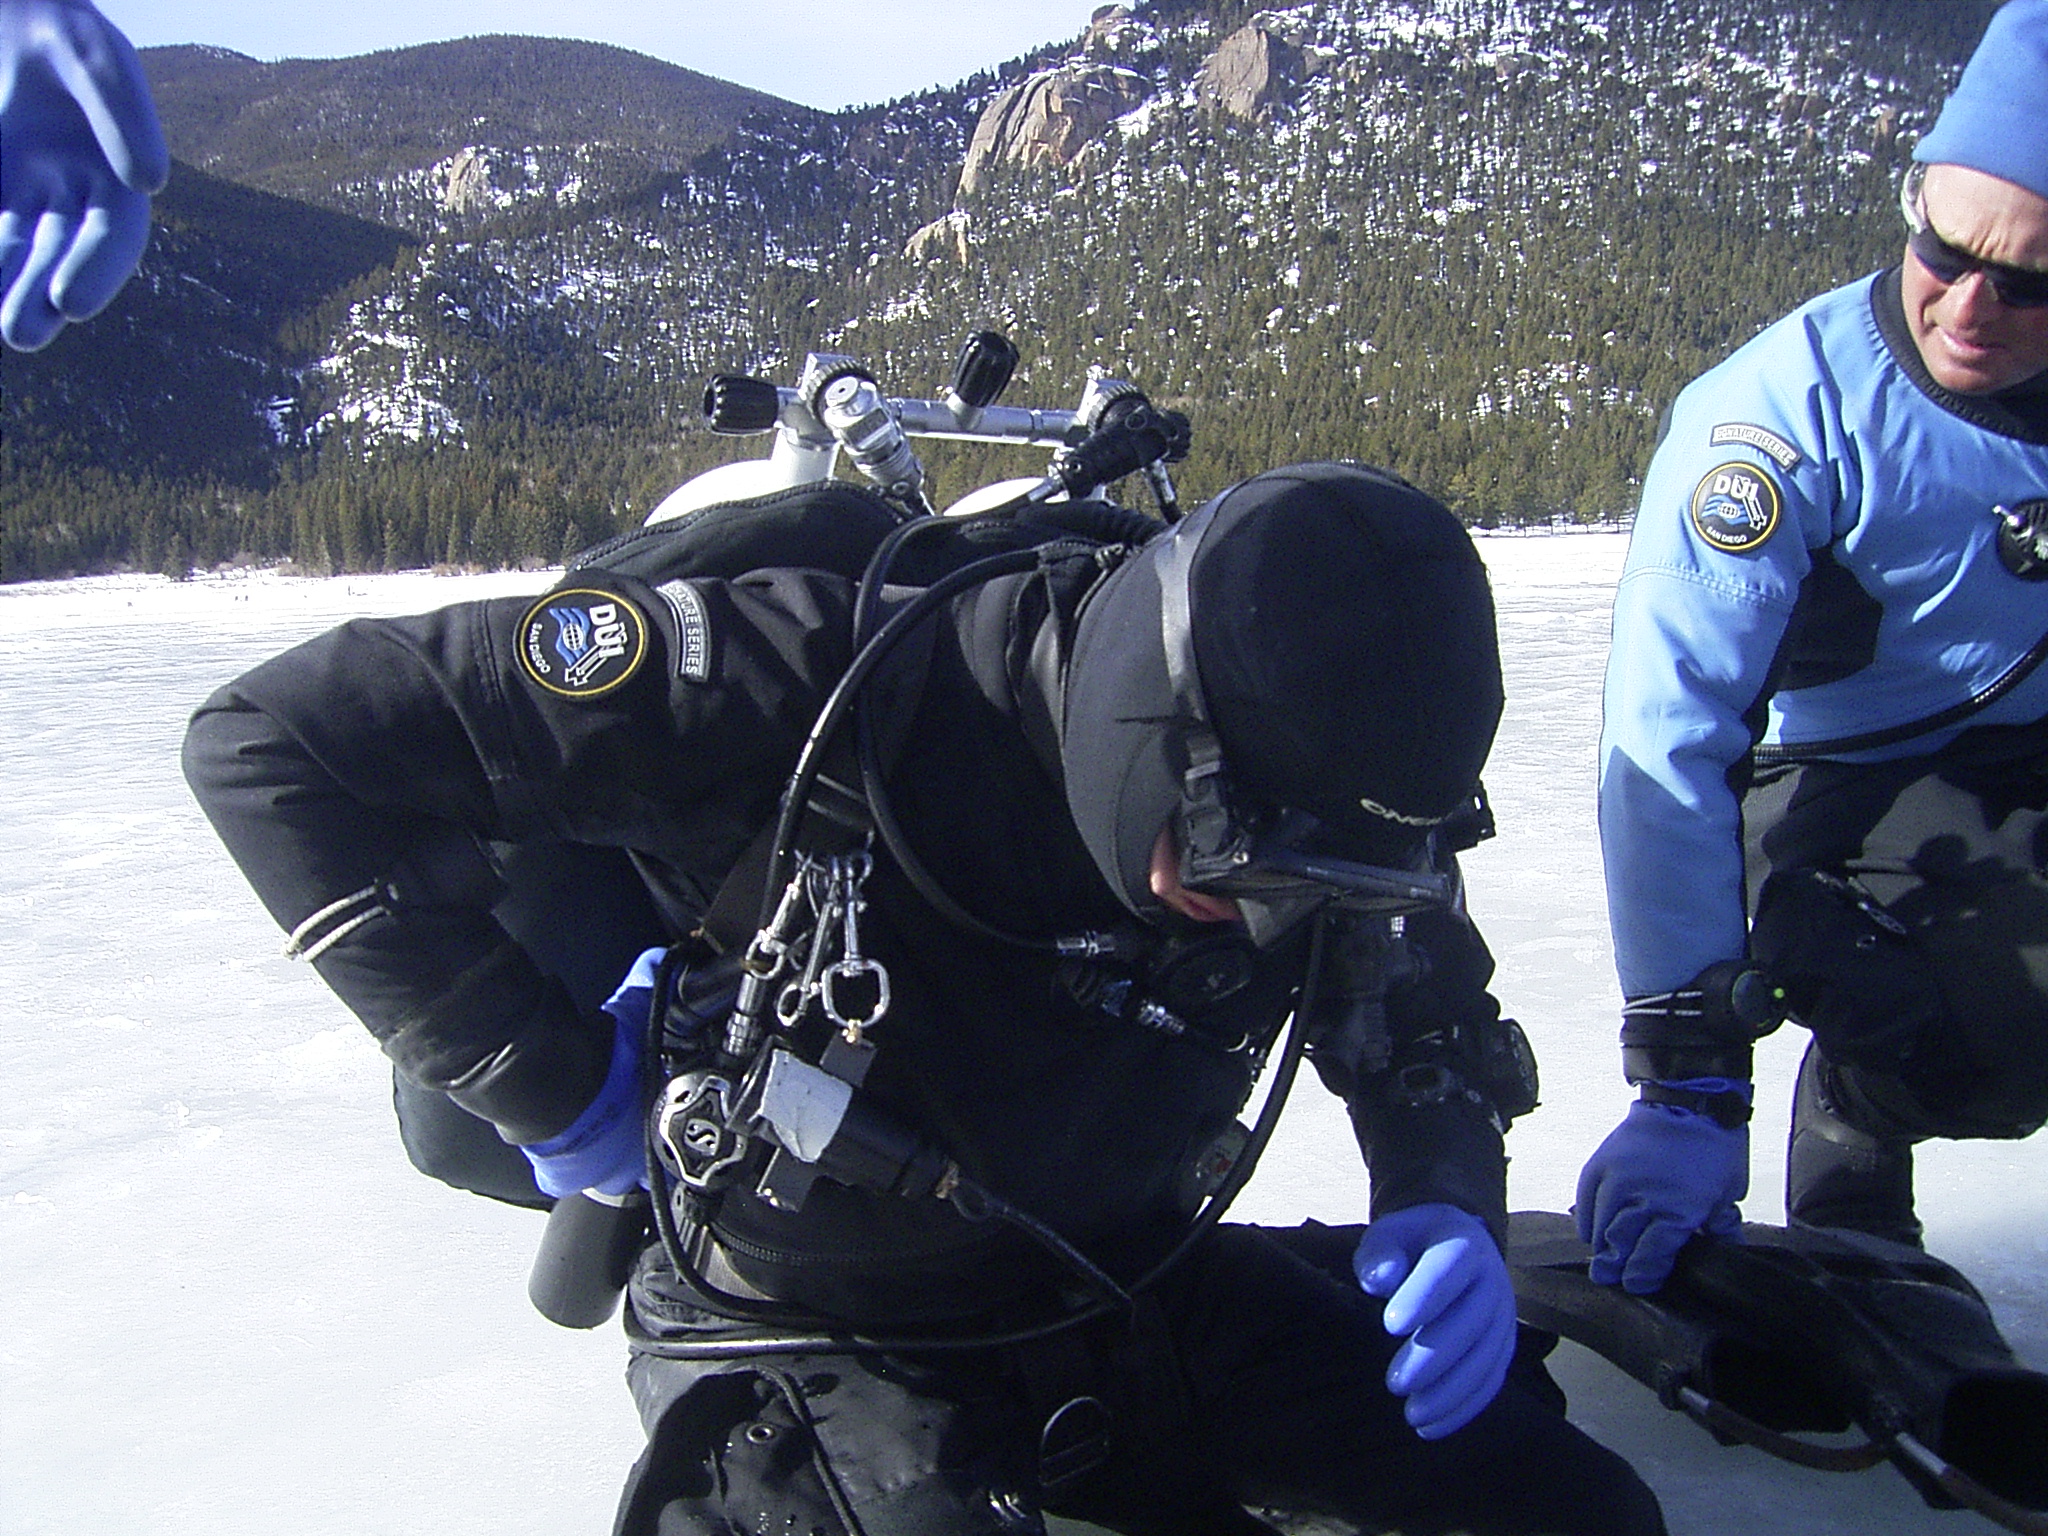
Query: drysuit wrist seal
{"type": "Point", "coordinates": [1729, 1109]}
{"type": "Point", "coordinates": [1706, 1028]}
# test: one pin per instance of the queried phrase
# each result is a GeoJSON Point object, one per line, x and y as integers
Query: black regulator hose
{"type": "Point", "coordinates": [811, 760]}
{"type": "Point", "coordinates": [1102, 524]}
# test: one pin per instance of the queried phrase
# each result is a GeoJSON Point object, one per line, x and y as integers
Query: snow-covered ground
{"type": "Point", "coordinates": [228, 1307]}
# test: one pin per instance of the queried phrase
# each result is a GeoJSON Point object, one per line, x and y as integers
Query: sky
{"type": "Point", "coordinates": [229, 1307]}
{"type": "Point", "coordinates": [823, 53]}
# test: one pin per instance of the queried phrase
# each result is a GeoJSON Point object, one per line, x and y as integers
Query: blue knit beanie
{"type": "Point", "coordinates": [1997, 121]}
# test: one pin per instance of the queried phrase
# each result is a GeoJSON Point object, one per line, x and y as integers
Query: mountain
{"type": "Point", "coordinates": [457, 303]}
{"type": "Point", "coordinates": [421, 137]}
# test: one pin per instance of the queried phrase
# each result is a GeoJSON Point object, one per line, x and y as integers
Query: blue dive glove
{"type": "Point", "coordinates": [1451, 1296]}
{"type": "Point", "coordinates": [605, 1149]}
{"type": "Point", "coordinates": [1663, 1174]}
{"type": "Point", "coordinates": [80, 152]}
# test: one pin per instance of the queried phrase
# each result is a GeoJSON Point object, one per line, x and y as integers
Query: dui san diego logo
{"type": "Point", "coordinates": [582, 644]}
{"type": "Point", "coordinates": [1736, 507]}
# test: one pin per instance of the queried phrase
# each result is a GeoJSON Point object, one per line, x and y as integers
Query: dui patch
{"type": "Point", "coordinates": [581, 644]}
{"type": "Point", "coordinates": [1736, 507]}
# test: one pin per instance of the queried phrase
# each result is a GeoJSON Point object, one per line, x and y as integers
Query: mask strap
{"type": "Point", "coordinates": [1174, 560]}
{"type": "Point", "coordinates": [1210, 839]}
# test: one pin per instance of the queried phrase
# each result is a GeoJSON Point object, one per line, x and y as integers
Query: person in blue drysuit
{"type": "Point", "coordinates": [1825, 762]}
{"type": "Point", "coordinates": [80, 154]}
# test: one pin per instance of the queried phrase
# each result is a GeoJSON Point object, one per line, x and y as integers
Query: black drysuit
{"type": "Point", "coordinates": [365, 781]}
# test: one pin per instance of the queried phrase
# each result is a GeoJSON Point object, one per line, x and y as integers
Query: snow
{"type": "Point", "coordinates": [1137, 123]}
{"type": "Point", "coordinates": [230, 1307]}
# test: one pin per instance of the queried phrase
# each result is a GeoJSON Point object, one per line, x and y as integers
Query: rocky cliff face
{"type": "Point", "coordinates": [1254, 68]}
{"type": "Point", "coordinates": [467, 185]}
{"type": "Point", "coordinates": [1112, 30]}
{"type": "Point", "coordinates": [1050, 118]}
{"type": "Point", "coordinates": [945, 238]}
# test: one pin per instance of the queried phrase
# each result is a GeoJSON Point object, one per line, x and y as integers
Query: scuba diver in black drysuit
{"type": "Point", "coordinates": [1072, 839]}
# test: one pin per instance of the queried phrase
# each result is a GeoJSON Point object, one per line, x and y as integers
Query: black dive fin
{"type": "Point", "coordinates": [1794, 1330]}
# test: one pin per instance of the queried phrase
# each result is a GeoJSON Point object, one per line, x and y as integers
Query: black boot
{"type": "Point", "coordinates": [1837, 1174]}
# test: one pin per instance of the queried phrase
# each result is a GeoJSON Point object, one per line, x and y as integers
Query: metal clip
{"type": "Point", "coordinates": [825, 898]}
{"type": "Point", "coordinates": [768, 952]}
{"type": "Point", "coordinates": [852, 871]}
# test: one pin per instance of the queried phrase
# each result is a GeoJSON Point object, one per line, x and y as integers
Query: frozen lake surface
{"type": "Point", "coordinates": [229, 1307]}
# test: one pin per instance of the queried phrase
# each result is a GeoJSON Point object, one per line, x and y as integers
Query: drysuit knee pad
{"type": "Point", "coordinates": [1852, 973]}
{"type": "Point", "coordinates": [1987, 944]}
{"type": "Point", "coordinates": [824, 1445]}
{"type": "Point", "coordinates": [1943, 993]}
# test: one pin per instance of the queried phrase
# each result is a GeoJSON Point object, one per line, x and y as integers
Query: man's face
{"type": "Point", "coordinates": [1971, 341]}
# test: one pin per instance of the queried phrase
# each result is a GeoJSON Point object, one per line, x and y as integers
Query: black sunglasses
{"type": "Point", "coordinates": [2016, 287]}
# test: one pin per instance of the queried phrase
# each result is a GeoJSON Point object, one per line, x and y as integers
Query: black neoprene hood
{"type": "Point", "coordinates": [1342, 629]}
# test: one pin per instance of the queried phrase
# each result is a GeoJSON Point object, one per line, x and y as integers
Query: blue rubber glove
{"type": "Point", "coordinates": [1452, 1299]}
{"type": "Point", "coordinates": [80, 153]}
{"type": "Point", "coordinates": [1661, 1175]}
{"type": "Point", "coordinates": [605, 1149]}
